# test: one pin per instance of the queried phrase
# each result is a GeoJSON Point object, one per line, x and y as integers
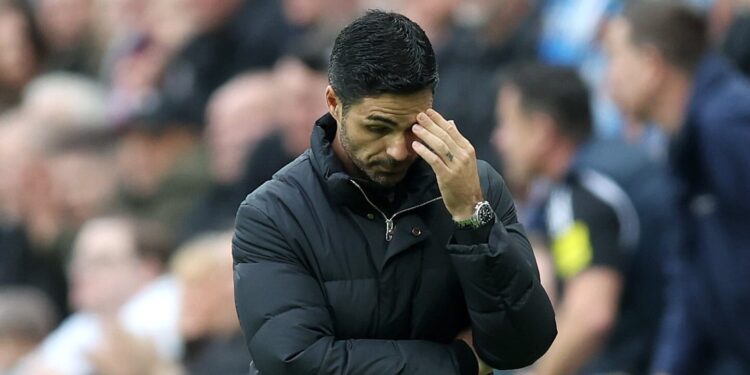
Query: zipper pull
{"type": "Point", "coordinates": [388, 229]}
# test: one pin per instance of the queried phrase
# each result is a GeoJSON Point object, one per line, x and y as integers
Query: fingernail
{"type": "Point", "coordinates": [417, 127]}
{"type": "Point", "coordinates": [421, 116]}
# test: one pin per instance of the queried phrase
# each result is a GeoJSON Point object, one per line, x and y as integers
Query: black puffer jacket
{"type": "Point", "coordinates": [322, 288]}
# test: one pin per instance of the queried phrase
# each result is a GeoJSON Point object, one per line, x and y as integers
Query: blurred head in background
{"type": "Point", "coordinates": [434, 16]}
{"type": "Point", "coordinates": [150, 147]}
{"type": "Point", "coordinates": [209, 14]}
{"type": "Point", "coordinates": [21, 50]}
{"type": "Point", "coordinates": [63, 103]}
{"type": "Point", "coordinates": [61, 172]}
{"type": "Point", "coordinates": [653, 50]}
{"type": "Point", "coordinates": [544, 115]}
{"type": "Point", "coordinates": [65, 24]}
{"type": "Point", "coordinates": [113, 258]}
{"type": "Point", "coordinates": [307, 13]}
{"type": "Point", "coordinates": [299, 87]}
{"type": "Point", "coordinates": [239, 114]}
{"type": "Point", "coordinates": [204, 268]}
{"type": "Point", "coordinates": [26, 317]}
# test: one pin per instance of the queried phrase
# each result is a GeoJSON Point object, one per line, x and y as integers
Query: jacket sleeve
{"type": "Point", "coordinates": [512, 319]}
{"type": "Point", "coordinates": [288, 326]}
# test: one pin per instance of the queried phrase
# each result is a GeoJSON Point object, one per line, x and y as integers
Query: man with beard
{"type": "Point", "coordinates": [386, 248]}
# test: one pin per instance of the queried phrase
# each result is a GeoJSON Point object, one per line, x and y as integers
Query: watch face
{"type": "Point", "coordinates": [485, 213]}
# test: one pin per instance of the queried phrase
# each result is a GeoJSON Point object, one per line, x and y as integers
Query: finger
{"type": "Point", "coordinates": [427, 123]}
{"type": "Point", "coordinates": [449, 127]}
{"type": "Point", "coordinates": [436, 144]}
{"type": "Point", "coordinates": [433, 160]}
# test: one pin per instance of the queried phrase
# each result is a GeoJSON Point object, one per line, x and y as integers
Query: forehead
{"type": "Point", "coordinates": [399, 108]}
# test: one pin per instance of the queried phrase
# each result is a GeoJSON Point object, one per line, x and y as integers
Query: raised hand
{"type": "Point", "coordinates": [454, 161]}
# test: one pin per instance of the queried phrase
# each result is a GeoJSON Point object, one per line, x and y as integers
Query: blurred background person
{"type": "Point", "coordinates": [606, 220]}
{"type": "Point", "coordinates": [161, 168]}
{"type": "Point", "coordinates": [208, 320]}
{"type": "Point", "coordinates": [116, 279]}
{"type": "Point", "coordinates": [662, 70]}
{"type": "Point", "coordinates": [239, 115]}
{"type": "Point", "coordinates": [66, 26]}
{"type": "Point", "coordinates": [22, 50]}
{"type": "Point", "coordinates": [26, 317]}
{"type": "Point", "coordinates": [299, 79]}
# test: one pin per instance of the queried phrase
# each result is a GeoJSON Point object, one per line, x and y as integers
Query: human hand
{"type": "Point", "coordinates": [454, 161]}
{"type": "Point", "coordinates": [467, 337]}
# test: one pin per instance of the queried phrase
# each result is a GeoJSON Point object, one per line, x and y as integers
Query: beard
{"type": "Point", "coordinates": [367, 169]}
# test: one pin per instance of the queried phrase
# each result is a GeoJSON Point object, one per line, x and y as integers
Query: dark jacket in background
{"type": "Point", "coordinates": [709, 303]}
{"type": "Point", "coordinates": [649, 189]}
{"type": "Point", "coordinates": [217, 209]}
{"type": "Point", "coordinates": [320, 289]}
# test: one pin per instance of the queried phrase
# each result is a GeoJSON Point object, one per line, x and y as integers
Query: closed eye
{"type": "Point", "coordinates": [379, 129]}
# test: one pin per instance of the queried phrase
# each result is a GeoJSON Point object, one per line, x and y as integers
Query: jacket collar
{"type": "Point", "coordinates": [420, 184]}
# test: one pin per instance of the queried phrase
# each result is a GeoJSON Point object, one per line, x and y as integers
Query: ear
{"type": "Point", "coordinates": [333, 103]}
{"type": "Point", "coordinates": [656, 65]}
{"type": "Point", "coordinates": [546, 129]}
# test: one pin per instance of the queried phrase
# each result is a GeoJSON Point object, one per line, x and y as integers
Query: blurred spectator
{"type": "Point", "coordinates": [436, 18]}
{"type": "Point", "coordinates": [299, 86]}
{"type": "Point", "coordinates": [606, 221]}
{"type": "Point", "coordinates": [209, 320]}
{"type": "Point", "coordinates": [115, 280]}
{"type": "Point", "coordinates": [233, 36]}
{"type": "Point", "coordinates": [161, 168]}
{"type": "Point", "coordinates": [31, 235]}
{"type": "Point", "coordinates": [239, 114]}
{"type": "Point", "coordinates": [26, 317]}
{"type": "Point", "coordinates": [661, 70]}
{"type": "Point", "coordinates": [502, 32]}
{"type": "Point", "coordinates": [57, 174]}
{"type": "Point", "coordinates": [66, 26]}
{"type": "Point", "coordinates": [21, 50]}
{"type": "Point", "coordinates": [145, 36]}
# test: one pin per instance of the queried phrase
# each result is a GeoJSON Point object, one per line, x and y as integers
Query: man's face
{"type": "Point", "coordinates": [376, 134]}
{"type": "Point", "coordinates": [631, 74]}
{"type": "Point", "coordinates": [519, 138]}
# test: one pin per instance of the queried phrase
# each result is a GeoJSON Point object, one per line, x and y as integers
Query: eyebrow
{"type": "Point", "coordinates": [382, 119]}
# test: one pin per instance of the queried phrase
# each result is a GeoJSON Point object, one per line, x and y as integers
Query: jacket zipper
{"type": "Point", "coordinates": [389, 225]}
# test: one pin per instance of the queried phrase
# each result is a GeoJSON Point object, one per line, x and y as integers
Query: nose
{"type": "Point", "coordinates": [400, 148]}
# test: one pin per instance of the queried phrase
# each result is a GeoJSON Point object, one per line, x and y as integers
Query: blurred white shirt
{"type": "Point", "coordinates": [153, 313]}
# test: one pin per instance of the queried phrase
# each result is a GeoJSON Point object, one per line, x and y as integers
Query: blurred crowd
{"type": "Point", "coordinates": [130, 131]}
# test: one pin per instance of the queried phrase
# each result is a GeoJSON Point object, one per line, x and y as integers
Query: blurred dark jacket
{"type": "Point", "coordinates": [650, 190]}
{"type": "Point", "coordinates": [217, 209]}
{"type": "Point", "coordinates": [44, 269]}
{"type": "Point", "coordinates": [320, 287]}
{"type": "Point", "coordinates": [217, 355]}
{"type": "Point", "coordinates": [170, 203]}
{"type": "Point", "coordinates": [710, 293]}
{"type": "Point", "coordinates": [737, 43]}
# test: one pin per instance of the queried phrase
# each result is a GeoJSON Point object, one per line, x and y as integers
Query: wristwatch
{"type": "Point", "coordinates": [483, 214]}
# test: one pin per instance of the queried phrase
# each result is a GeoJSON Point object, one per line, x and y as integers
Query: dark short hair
{"type": "Point", "coordinates": [556, 91]}
{"type": "Point", "coordinates": [677, 30]}
{"type": "Point", "coordinates": [381, 53]}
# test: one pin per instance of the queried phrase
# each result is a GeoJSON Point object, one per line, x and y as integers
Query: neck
{"type": "Point", "coordinates": [670, 104]}
{"type": "Point", "coordinates": [559, 160]}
